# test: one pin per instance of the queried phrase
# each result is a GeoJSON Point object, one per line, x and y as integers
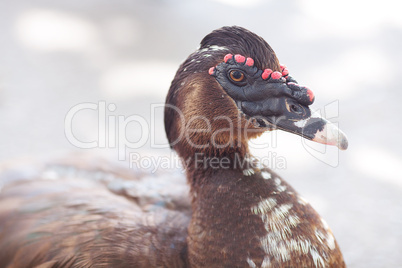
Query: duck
{"type": "Point", "coordinates": [228, 210]}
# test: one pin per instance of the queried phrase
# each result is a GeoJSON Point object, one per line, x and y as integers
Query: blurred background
{"type": "Point", "coordinates": [55, 55]}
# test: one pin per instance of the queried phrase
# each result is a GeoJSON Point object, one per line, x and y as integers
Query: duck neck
{"type": "Point", "coordinates": [222, 197]}
{"type": "Point", "coordinates": [202, 164]}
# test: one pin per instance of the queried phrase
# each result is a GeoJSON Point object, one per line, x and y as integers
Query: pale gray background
{"type": "Point", "coordinates": [57, 54]}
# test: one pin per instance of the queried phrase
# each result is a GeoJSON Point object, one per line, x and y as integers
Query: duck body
{"type": "Point", "coordinates": [233, 211]}
{"type": "Point", "coordinates": [72, 215]}
{"type": "Point", "coordinates": [258, 221]}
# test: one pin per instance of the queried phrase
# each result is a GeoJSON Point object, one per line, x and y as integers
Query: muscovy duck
{"type": "Point", "coordinates": [235, 213]}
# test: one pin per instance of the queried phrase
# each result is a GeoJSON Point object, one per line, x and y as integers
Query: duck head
{"type": "Point", "coordinates": [233, 89]}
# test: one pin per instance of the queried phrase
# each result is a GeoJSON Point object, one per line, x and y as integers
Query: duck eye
{"type": "Point", "coordinates": [296, 109]}
{"type": "Point", "coordinates": [236, 76]}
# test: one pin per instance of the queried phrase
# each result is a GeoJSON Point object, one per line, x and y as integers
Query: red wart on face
{"type": "Point", "coordinates": [249, 62]}
{"type": "Point", "coordinates": [239, 58]}
{"type": "Point", "coordinates": [228, 57]}
{"type": "Point", "coordinates": [266, 74]}
{"type": "Point", "coordinates": [296, 97]}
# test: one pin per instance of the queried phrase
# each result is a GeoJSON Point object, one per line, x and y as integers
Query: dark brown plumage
{"type": "Point", "coordinates": [89, 213]}
{"type": "Point", "coordinates": [86, 212]}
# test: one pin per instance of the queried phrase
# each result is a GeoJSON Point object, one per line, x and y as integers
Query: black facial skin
{"type": "Point", "coordinates": [275, 103]}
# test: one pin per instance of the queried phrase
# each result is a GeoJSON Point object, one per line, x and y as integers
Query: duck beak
{"type": "Point", "coordinates": [331, 135]}
{"type": "Point", "coordinates": [317, 129]}
{"type": "Point", "coordinates": [290, 111]}
{"type": "Point", "coordinates": [320, 130]}
{"type": "Point", "coordinates": [295, 117]}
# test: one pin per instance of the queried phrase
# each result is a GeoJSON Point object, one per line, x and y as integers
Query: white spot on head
{"type": "Point", "coordinates": [320, 236]}
{"type": "Point", "coordinates": [251, 263]}
{"type": "Point", "coordinates": [301, 200]}
{"type": "Point", "coordinates": [325, 224]}
{"type": "Point", "coordinates": [279, 187]}
{"type": "Point", "coordinates": [265, 175]}
{"type": "Point", "coordinates": [284, 253]}
{"type": "Point", "coordinates": [330, 241]}
{"type": "Point", "coordinates": [305, 246]}
{"type": "Point", "coordinates": [217, 48]}
{"type": "Point", "coordinates": [317, 259]}
{"type": "Point", "coordinates": [264, 206]}
{"type": "Point", "coordinates": [212, 48]}
{"type": "Point", "coordinates": [327, 238]}
{"type": "Point", "coordinates": [301, 123]}
{"type": "Point", "coordinates": [293, 220]}
{"type": "Point", "coordinates": [266, 263]}
{"type": "Point", "coordinates": [281, 212]}
{"type": "Point", "coordinates": [248, 172]}
{"type": "Point", "coordinates": [185, 69]}
{"type": "Point", "coordinates": [277, 181]}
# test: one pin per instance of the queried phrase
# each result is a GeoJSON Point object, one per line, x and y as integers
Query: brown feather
{"type": "Point", "coordinates": [80, 222]}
